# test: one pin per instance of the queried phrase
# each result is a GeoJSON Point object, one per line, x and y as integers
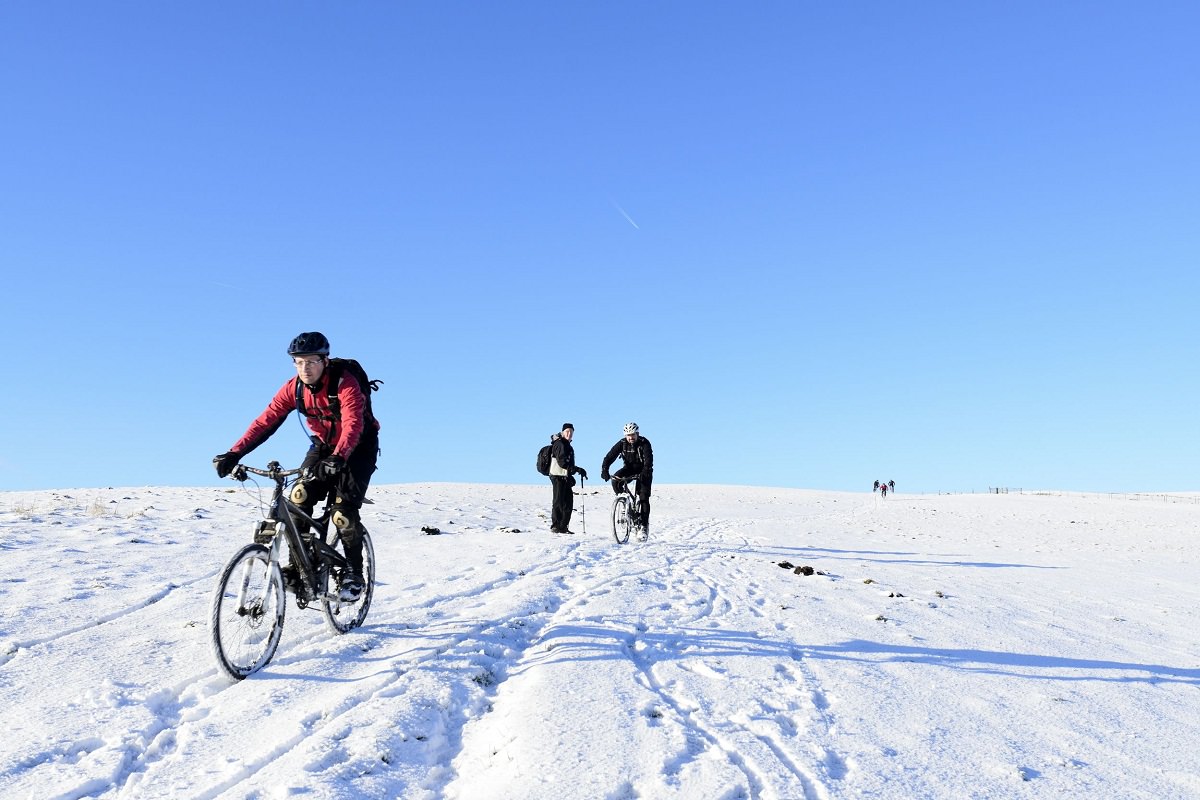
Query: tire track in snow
{"type": "Point", "coordinates": [757, 744]}
{"type": "Point", "coordinates": [569, 599]}
{"type": "Point", "coordinates": [807, 687]}
{"type": "Point", "coordinates": [15, 648]}
{"type": "Point", "coordinates": [479, 654]}
{"type": "Point", "coordinates": [724, 736]}
{"type": "Point", "coordinates": [675, 570]}
{"type": "Point", "coordinates": [173, 710]}
{"type": "Point", "coordinates": [474, 656]}
{"type": "Point", "coordinates": [107, 755]}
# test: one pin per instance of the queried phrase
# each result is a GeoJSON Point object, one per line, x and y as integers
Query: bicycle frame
{"type": "Point", "coordinates": [635, 504]}
{"type": "Point", "coordinates": [284, 512]}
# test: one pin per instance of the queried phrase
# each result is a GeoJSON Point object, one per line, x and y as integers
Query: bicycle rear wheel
{"type": "Point", "coordinates": [247, 612]}
{"type": "Point", "coordinates": [343, 615]}
{"type": "Point", "coordinates": [621, 519]}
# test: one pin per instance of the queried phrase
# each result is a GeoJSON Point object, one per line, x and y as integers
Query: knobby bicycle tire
{"type": "Point", "coordinates": [622, 524]}
{"type": "Point", "coordinates": [342, 615]}
{"type": "Point", "coordinates": [248, 606]}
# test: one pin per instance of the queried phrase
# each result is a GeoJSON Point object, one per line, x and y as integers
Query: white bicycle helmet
{"type": "Point", "coordinates": [630, 427]}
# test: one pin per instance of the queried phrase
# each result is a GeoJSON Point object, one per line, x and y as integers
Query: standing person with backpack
{"type": "Point", "coordinates": [635, 450]}
{"type": "Point", "coordinates": [335, 398]}
{"type": "Point", "coordinates": [562, 472]}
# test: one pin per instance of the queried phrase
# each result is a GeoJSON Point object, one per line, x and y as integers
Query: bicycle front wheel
{"type": "Point", "coordinates": [343, 615]}
{"type": "Point", "coordinates": [247, 612]}
{"type": "Point", "coordinates": [621, 518]}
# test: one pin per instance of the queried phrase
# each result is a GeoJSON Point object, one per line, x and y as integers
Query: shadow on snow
{"type": "Point", "coordinates": [595, 642]}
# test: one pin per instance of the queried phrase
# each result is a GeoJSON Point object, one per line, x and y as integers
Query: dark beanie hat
{"type": "Point", "coordinates": [568, 425]}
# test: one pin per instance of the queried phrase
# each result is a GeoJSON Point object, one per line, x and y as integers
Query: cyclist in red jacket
{"type": "Point", "coordinates": [345, 444]}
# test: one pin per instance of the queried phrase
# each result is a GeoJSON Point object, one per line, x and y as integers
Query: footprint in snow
{"type": "Point", "coordinates": [700, 668]}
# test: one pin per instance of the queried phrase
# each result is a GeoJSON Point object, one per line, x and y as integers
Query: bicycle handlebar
{"type": "Point", "coordinates": [273, 471]}
{"type": "Point", "coordinates": [623, 483]}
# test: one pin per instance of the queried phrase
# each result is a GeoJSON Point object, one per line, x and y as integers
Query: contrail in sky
{"type": "Point", "coordinates": [624, 214]}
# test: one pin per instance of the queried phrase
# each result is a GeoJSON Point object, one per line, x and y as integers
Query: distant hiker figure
{"type": "Point", "coordinates": [876, 489]}
{"type": "Point", "coordinates": [883, 489]}
{"type": "Point", "coordinates": [892, 485]}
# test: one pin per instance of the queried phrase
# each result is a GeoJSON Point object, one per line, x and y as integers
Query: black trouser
{"type": "Point", "coordinates": [563, 502]}
{"type": "Point", "coordinates": [350, 488]}
{"type": "Point", "coordinates": [642, 490]}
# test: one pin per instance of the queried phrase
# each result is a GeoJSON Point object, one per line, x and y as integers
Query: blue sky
{"type": "Point", "coordinates": [812, 245]}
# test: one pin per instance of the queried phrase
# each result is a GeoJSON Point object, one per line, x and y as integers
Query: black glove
{"type": "Point", "coordinates": [604, 476]}
{"type": "Point", "coordinates": [226, 462]}
{"type": "Point", "coordinates": [582, 472]}
{"type": "Point", "coordinates": [331, 467]}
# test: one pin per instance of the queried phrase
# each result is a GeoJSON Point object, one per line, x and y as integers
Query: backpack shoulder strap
{"type": "Point", "coordinates": [336, 369]}
{"type": "Point", "coordinates": [334, 372]}
{"type": "Point", "coordinates": [300, 397]}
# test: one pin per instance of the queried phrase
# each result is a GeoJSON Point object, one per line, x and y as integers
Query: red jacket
{"type": "Point", "coordinates": [348, 429]}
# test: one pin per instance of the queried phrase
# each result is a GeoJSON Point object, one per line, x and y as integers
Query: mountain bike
{"type": "Point", "coordinates": [250, 597]}
{"type": "Point", "coordinates": [626, 513]}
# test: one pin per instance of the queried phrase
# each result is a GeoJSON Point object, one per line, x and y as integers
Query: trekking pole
{"type": "Point", "coordinates": [582, 505]}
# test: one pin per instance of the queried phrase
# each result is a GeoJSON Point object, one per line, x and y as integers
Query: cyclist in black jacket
{"type": "Point", "coordinates": [634, 449]}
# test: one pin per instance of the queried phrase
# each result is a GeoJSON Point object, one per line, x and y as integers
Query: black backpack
{"type": "Point", "coordinates": [337, 367]}
{"type": "Point", "coordinates": [543, 460]}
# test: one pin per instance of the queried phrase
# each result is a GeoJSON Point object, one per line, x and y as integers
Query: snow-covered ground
{"type": "Point", "coordinates": [954, 646]}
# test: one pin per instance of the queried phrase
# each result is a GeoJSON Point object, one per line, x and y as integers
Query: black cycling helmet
{"type": "Point", "coordinates": [313, 343]}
